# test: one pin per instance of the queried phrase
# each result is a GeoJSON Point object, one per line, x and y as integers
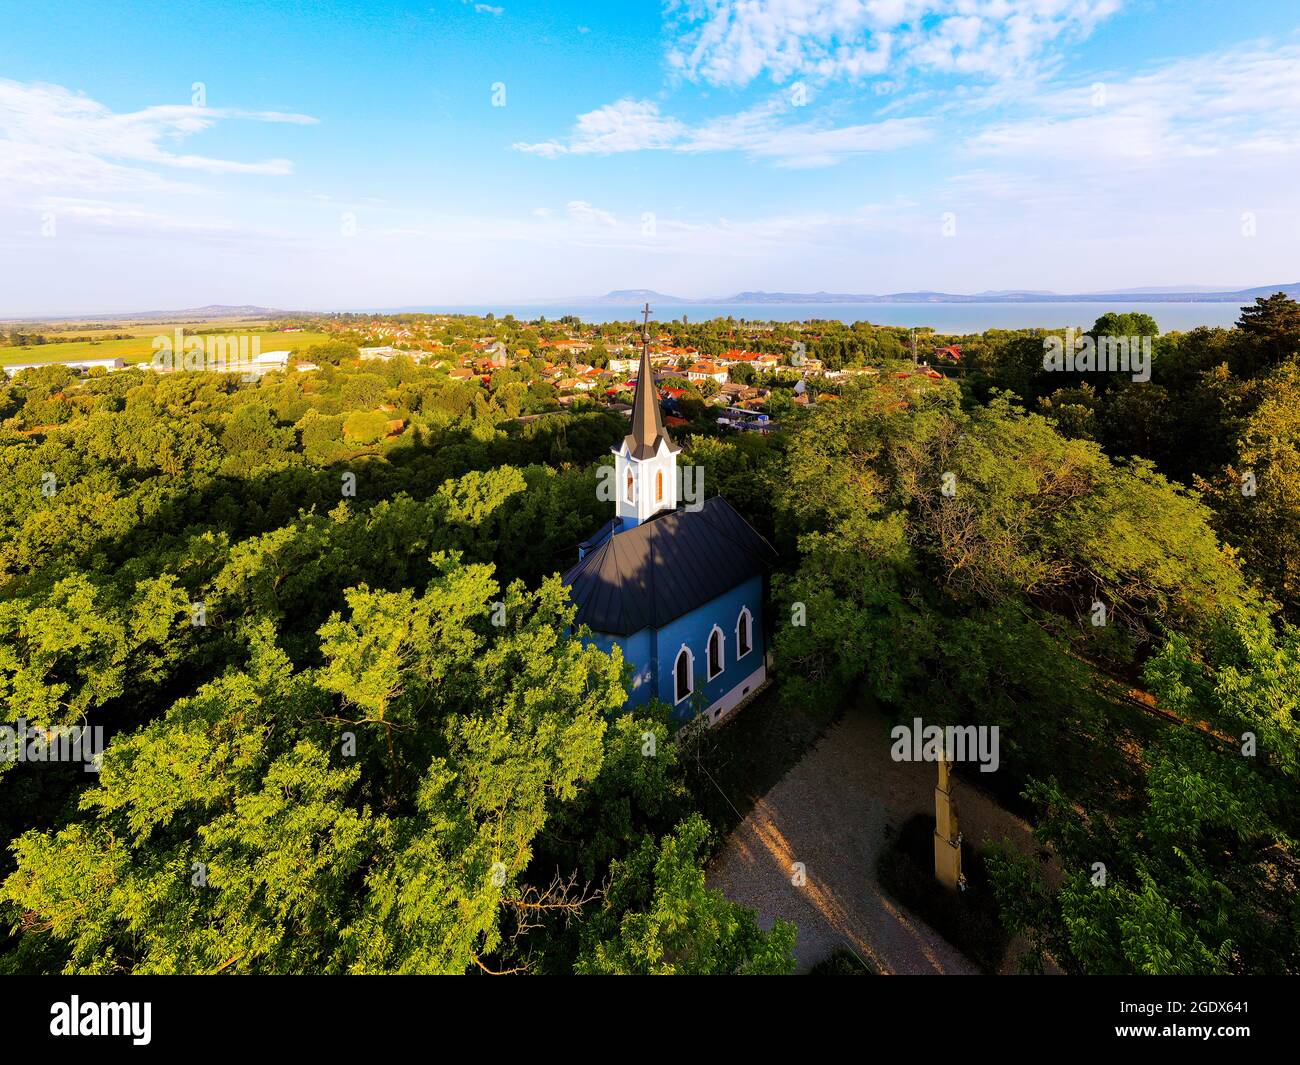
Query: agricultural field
{"type": "Point", "coordinates": [140, 348]}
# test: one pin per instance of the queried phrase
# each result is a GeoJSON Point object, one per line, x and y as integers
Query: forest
{"type": "Point", "coordinates": [351, 728]}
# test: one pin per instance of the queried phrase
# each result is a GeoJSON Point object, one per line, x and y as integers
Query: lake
{"type": "Point", "coordinates": [943, 317]}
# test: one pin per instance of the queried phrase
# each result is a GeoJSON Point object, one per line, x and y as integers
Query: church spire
{"type": "Point", "coordinates": [647, 422]}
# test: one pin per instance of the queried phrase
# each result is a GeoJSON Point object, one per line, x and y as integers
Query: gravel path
{"type": "Point", "coordinates": [829, 812]}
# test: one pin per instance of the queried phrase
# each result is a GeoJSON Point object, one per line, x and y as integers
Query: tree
{"type": "Point", "coordinates": [989, 585]}
{"type": "Point", "coordinates": [252, 429]}
{"type": "Point", "coordinates": [332, 352]}
{"type": "Point", "coordinates": [365, 427]}
{"type": "Point", "coordinates": [1125, 324]}
{"type": "Point", "coordinates": [660, 918]}
{"type": "Point", "coordinates": [76, 648]}
{"type": "Point", "coordinates": [1194, 871]}
{"type": "Point", "coordinates": [1272, 333]}
{"type": "Point", "coordinates": [779, 403]}
{"type": "Point", "coordinates": [374, 815]}
{"type": "Point", "coordinates": [363, 391]}
{"type": "Point", "coordinates": [1258, 494]}
{"type": "Point", "coordinates": [322, 437]}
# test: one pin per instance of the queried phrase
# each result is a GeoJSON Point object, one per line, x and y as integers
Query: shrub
{"type": "Point", "coordinates": [365, 427]}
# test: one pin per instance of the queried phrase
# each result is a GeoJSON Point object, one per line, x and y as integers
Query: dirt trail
{"type": "Point", "coordinates": [830, 812]}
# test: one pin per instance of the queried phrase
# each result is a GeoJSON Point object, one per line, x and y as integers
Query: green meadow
{"type": "Point", "coordinates": [140, 348]}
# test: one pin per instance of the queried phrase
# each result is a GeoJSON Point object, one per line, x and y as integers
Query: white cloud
{"type": "Point", "coordinates": [50, 136]}
{"type": "Point", "coordinates": [26, 164]}
{"type": "Point", "coordinates": [135, 218]}
{"type": "Point", "coordinates": [733, 42]}
{"type": "Point", "coordinates": [585, 214]}
{"type": "Point", "coordinates": [638, 125]}
{"type": "Point", "coordinates": [1234, 103]}
{"type": "Point", "coordinates": [623, 126]}
{"type": "Point", "coordinates": [1147, 177]}
{"type": "Point", "coordinates": [758, 132]}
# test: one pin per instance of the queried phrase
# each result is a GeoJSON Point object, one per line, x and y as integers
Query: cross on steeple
{"type": "Point", "coordinates": [647, 422]}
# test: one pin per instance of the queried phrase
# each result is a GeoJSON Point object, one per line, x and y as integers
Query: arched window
{"type": "Point", "coordinates": [659, 487]}
{"type": "Point", "coordinates": [629, 487]}
{"type": "Point", "coordinates": [743, 639]}
{"type": "Point", "coordinates": [715, 652]}
{"type": "Point", "coordinates": [684, 674]}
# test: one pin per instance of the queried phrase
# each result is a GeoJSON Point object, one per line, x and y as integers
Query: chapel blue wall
{"type": "Point", "coordinates": [655, 651]}
{"type": "Point", "coordinates": [638, 649]}
{"type": "Point", "coordinates": [693, 630]}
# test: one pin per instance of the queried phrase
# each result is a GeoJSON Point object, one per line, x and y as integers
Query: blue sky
{"type": "Point", "coordinates": [440, 153]}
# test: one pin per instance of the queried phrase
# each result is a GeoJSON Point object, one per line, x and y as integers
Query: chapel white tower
{"type": "Point", "coordinates": [645, 465]}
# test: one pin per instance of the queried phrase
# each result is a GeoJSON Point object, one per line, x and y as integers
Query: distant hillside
{"type": "Point", "coordinates": [213, 310]}
{"type": "Point", "coordinates": [640, 295]}
{"type": "Point", "coordinates": [1145, 295]}
{"type": "Point", "coordinates": [798, 297]}
{"type": "Point", "coordinates": [209, 313]}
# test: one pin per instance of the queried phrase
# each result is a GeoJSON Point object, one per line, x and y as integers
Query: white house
{"type": "Point", "coordinates": [707, 371]}
{"type": "Point", "coordinates": [268, 361]}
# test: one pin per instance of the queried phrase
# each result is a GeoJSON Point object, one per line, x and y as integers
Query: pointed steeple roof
{"type": "Point", "coordinates": [647, 421]}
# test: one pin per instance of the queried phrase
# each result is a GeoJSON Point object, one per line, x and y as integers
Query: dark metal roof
{"type": "Point", "coordinates": [647, 422]}
{"type": "Point", "coordinates": [666, 567]}
{"type": "Point", "coordinates": [599, 536]}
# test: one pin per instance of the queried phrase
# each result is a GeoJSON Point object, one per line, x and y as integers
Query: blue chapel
{"type": "Point", "coordinates": [679, 589]}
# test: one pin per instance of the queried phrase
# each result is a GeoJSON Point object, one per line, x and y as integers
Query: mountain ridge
{"type": "Point", "coordinates": [1156, 294]}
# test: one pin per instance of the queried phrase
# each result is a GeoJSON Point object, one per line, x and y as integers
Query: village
{"type": "Point", "coordinates": [741, 376]}
{"type": "Point", "coordinates": [588, 367]}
